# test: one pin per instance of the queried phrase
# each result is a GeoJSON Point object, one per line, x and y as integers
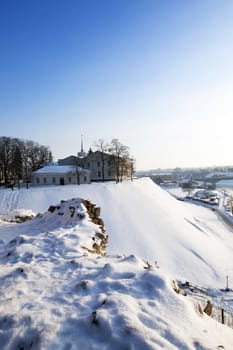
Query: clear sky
{"type": "Point", "coordinates": [156, 74]}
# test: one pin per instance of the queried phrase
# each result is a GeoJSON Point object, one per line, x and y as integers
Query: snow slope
{"type": "Point", "coordinates": [56, 294]}
{"type": "Point", "coordinates": [187, 241]}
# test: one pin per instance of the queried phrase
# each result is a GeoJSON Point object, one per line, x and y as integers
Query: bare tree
{"type": "Point", "coordinates": [18, 158]}
{"type": "Point", "coordinates": [17, 164]}
{"type": "Point", "coordinates": [77, 166]}
{"type": "Point", "coordinates": [103, 147]}
{"type": "Point", "coordinates": [37, 155]}
{"type": "Point", "coordinates": [26, 156]}
{"type": "Point", "coordinates": [34, 157]}
{"type": "Point", "coordinates": [6, 152]}
{"type": "Point", "coordinates": [78, 172]}
{"type": "Point", "coordinates": [130, 166]}
{"type": "Point", "coordinates": [121, 156]}
{"type": "Point", "coordinates": [188, 187]}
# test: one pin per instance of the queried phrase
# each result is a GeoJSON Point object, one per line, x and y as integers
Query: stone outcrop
{"type": "Point", "coordinates": [100, 239]}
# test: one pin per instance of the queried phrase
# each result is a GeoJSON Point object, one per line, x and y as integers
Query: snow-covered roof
{"type": "Point", "coordinates": [58, 169]}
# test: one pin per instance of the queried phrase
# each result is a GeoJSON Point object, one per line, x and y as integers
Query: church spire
{"type": "Point", "coordinates": [82, 154]}
{"type": "Point", "coordinates": [81, 143]}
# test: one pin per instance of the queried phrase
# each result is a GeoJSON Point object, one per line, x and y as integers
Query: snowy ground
{"type": "Point", "coordinates": [56, 294]}
{"type": "Point", "coordinates": [144, 220]}
{"type": "Point", "coordinates": [176, 191]}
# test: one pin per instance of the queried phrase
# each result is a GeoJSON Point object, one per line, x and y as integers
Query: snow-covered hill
{"type": "Point", "coordinates": [58, 293]}
{"type": "Point", "coordinates": [188, 242]}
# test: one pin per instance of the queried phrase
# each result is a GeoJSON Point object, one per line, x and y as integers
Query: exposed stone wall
{"type": "Point", "coordinates": [101, 238]}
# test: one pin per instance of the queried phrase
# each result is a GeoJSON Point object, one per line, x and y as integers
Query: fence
{"type": "Point", "coordinates": [202, 295]}
{"type": "Point", "coordinates": [222, 316]}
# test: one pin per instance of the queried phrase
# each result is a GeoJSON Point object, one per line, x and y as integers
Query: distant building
{"type": "Point", "coordinates": [161, 178]}
{"type": "Point", "coordinates": [60, 175]}
{"type": "Point", "coordinates": [102, 166]}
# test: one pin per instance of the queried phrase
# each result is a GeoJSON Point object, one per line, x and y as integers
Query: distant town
{"type": "Point", "coordinates": [211, 187]}
{"type": "Point", "coordinates": [206, 177]}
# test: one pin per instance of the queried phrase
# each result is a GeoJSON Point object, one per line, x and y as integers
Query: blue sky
{"type": "Point", "coordinates": [156, 74]}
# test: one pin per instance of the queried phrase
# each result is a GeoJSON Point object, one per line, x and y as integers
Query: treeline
{"type": "Point", "coordinates": [18, 158]}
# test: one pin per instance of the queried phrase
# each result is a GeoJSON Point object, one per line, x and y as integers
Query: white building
{"type": "Point", "coordinates": [101, 165]}
{"type": "Point", "coordinates": [60, 175]}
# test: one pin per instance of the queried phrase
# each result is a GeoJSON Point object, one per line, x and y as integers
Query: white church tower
{"type": "Point", "coordinates": [81, 154]}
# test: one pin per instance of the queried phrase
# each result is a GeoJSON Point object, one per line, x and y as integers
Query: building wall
{"type": "Point", "coordinates": [94, 162]}
{"type": "Point", "coordinates": [59, 179]}
{"type": "Point", "coordinates": [159, 178]}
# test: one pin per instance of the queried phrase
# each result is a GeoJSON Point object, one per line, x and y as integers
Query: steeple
{"type": "Point", "coordinates": [81, 143]}
{"type": "Point", "coordinates": [81, 154]}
